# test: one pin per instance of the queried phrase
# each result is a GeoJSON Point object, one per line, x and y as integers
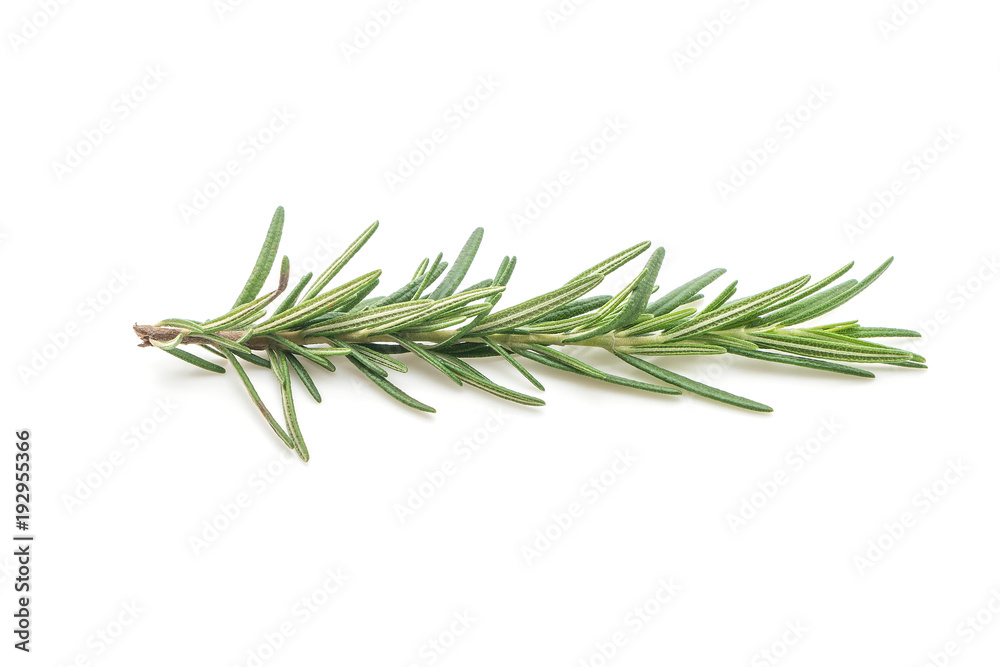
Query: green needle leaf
{"type": "Point", "coordinates": [390, 388]}
{"type": "Point", "coordinates": [513, 362]}
{"type": "Point", "coordinates": [293, 296]}
{"type": "Point", "coordinates": [635, 297]}
{"type": "Point", "coordinates": [849, 341]}
{"type": "Point", "coordinates": [614, 262]}
{"type": "Point", "coordinates": [602, 320]}
{"type": "Point", "coordinates": [503, 275]}
{"type": "Point", "coordinates": [829, 349]}
{"type": "Point", "coordinates": [315, 305]}
{"type": "Point", "coordinates": [881, 332]}
{"type": "Point", "coordinates": [693, 386]}
{"type": "Point", "coordinates": [671, 349]}
{"type": "Point", "coordinates": [532, 309]}
{"type": "Point", "coordinates": [259, 403]}
{"type": "Point", "coordinates": [638, 384]}
{"type": "Point", "coordinates": [461, 266]}
{"type": "Point", "coordinates": [906, 364]}
{"type": "Point", "coordinates": [723, 297]}
{"type": "Point", "coordinates": [347, 304]}
{"type": "Point", "coordinates": [791, 313]}
{"type": "Point", "coordinates": [606, 377]}
{"type": "Point", "coordinates": [437, 268]}
{"type": "Point", "coordinates": [279, 365]}
{"type": "Point", "coordinates": [303, 374]}
{"type": "Point", "coordinates": [306, 352]}
{"type": "Point", "coordinates": [727, 341]}
{"type": "Point", "coordinates": [480, 381]}
{"type": "Point", "coordinates": [339, 263]}
{"type": "Point", "coordinates": [183, 324]}
{"type": "Point", "coordinates": [265, 260]}
{"type": "Point", "coordinates": [252, 310]}
{"type": "Point", "coordinates": [378, 358]}
{"type": "Point", "coordinates": [659, 322]}
{"type": "Point", "coordinates": [280, 369]}
{"type": "Point", "coordinates": [639, 298]}
{"type": "Point", "coordinates": [564, 359]}
{"type": "Point", "coordinates": [236, 348]}
{"type": "Point", "coordinates": [812, 289]}
{"type": "Point", "coordinates": [433, 309]}
{"type": "Point", "coordinates": [363, 359]}
{"type": "Point", "coordinates": [746, 307]}
{"type": "Point", "coordinates": [844, 297]}
{"type": "Point", "coordinates": [426, 356]}
{"type": "Point", "coordinates": [169, 345]}
{"type": "Point", "coordinates": [194, 359]}
{"type": "Point", "coordinates": [805, 362]}
{"type": "Point", "coordinates": [683, 294]}
{"type": "Point", "coordinates": [578, 307]}
{"type": "Point", "coordinates": [479, 285]}
{"type": "Point", "coordinates": [404, 293]}
{"type": "Point", "coordinates": [367, 319]}
{"type": "Point", "coordinates": [251, 357]}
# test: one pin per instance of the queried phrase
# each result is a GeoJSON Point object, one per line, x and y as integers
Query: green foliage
{"type": "Point", "coordinates": [264, 261]}
{"type": "Point", "coordinates": [443, 325]}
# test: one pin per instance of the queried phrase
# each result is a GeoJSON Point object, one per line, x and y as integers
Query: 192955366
{"type": "Point", "coordinates": [22, 549]}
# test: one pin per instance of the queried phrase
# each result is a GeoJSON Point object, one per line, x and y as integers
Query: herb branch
{"type": "Point", "coordinates": [443, 325]}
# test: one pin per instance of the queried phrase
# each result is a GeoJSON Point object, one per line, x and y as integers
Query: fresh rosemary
{"type": "Point", "coordinates": [443, 325]}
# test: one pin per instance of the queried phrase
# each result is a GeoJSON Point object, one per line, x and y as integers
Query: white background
{"type": "Point", "coordinates": [888, 91]}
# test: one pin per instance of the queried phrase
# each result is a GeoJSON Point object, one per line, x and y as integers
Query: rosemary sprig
{"type": "Point", "coordinates": [443, 325]}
